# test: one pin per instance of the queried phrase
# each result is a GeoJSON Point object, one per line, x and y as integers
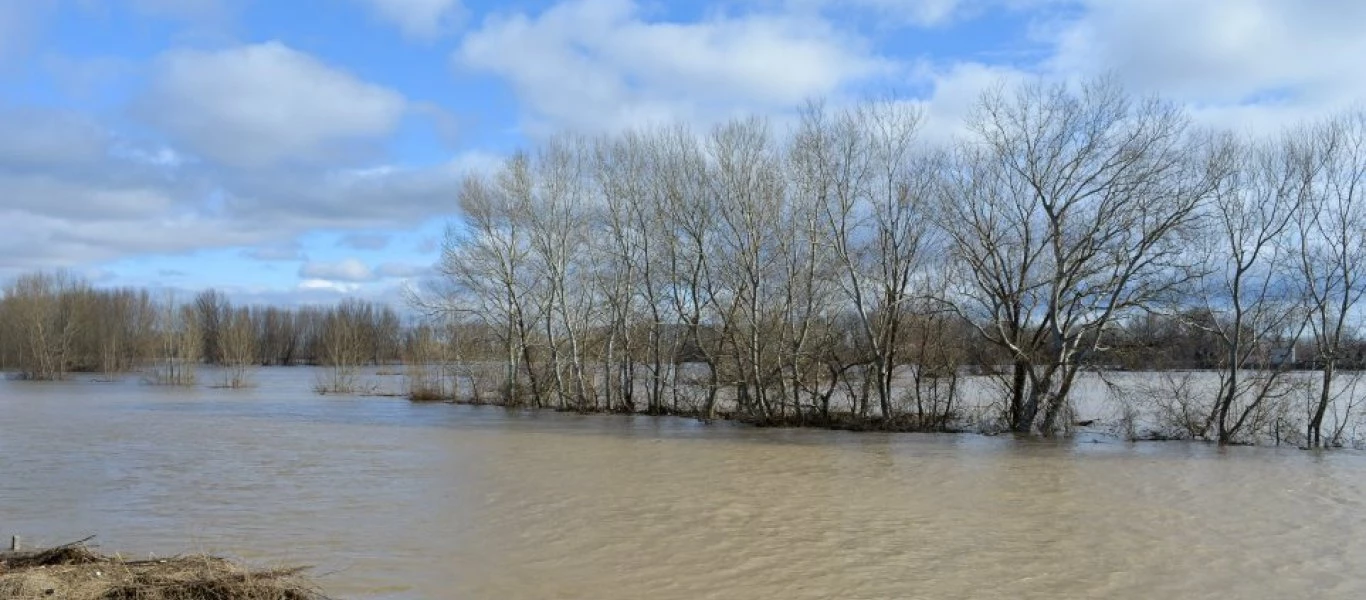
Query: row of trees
{"type": "Point", "coordinates": [848, 270]}
{"type": "Point", "coordinates": [53, 324]}
{"type": "Point", "coordinates": [843, 272]}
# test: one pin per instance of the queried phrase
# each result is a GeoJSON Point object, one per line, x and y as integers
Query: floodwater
{"type": "Point", "coordinates": [395, 500]}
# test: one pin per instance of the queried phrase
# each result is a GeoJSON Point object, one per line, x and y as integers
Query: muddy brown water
{"type": "Point", "coordinates": [395, 500]}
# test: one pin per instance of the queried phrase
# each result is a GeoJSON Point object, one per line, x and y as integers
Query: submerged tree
{"type": "Point", "coordinates": [43, 316]}
{"type": "Point", "coordinates": [1067, 209]}
{"type": "Point", "coordinates": [1330, 234]}
{"type": "Point", "coordinates": [180, 344]}
{"type": "Point", "coordinates": [1247, 283]}
{"type": "Point", "coordinates": [237, 346]}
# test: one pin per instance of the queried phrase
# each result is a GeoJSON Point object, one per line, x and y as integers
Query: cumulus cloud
{"type": "Point", "coordinates": [364, 241]}
{"type": "Point", "coordinates": [347, 270]}
{"type": "Point", "coordinates": [273, 252]}
{"type": "Point", "coordinates": [68, 198]}
{"type": "Point", "coordinates": [258, 105]}
{"type": "Point", "coordinates": [378, 197]}
{"type": "Point", "coordinates": [31, 241]}
{"type": "Point", "coordinates": [1273, 61]}
{"type": "Point", "coordinates": [601, 64]}
{"type": "Point", "coordinates": [922, 13]}
{"type": "Point", "coordinates": [353, 271]}
{"type": "Point", "coordinates": [321, 292]}
{"type": "Point", "coordinates": [423, 20]}
{"type": "Point", "coordinates": [909, 13]}
{"type": "Point", "coordinates": [955, 90]}
{"type": "Point", "coordinates": [38, 137]}
{"type": "Point", "coordinates": [75, 209]}
{"type": "Point", "coordinates": [248, 146]}
{"type": "Point", "coordinates": [400, 270]}
{"type": "Point", "coordinates": [327, 285]}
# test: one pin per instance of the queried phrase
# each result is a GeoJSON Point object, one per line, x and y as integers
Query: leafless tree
{"type": "Point", "coordinates": [1248, 292]}
{"type": "Point", "coordinates": [237, 345]}
{"type": "Point", "coordinates": [687, 218]}
{"type": "Point", "coordinates": [42, 310]}
{"type": "Point", "coordinates": [558, 217]}
{"type": "Point", "coordinates": [488, 275]}
{"type": "Point", "coordinates": [1067, 209]}
{"type": "Point", "coordinates": [745, 178]}
{"type": "Point", "coordinates": [210, 307]}
{"type": "Point", "coordinates": [872, 183]}
{"type": "Point", "coordinates": [180, 343]}
{"type": "Point", "coordinates": [342, 346]}
{"type": "Point", "coordinates": [1331, 236]}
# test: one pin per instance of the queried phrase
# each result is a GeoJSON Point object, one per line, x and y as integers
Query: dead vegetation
{"type": "Point", "coordinates": [77, 572]}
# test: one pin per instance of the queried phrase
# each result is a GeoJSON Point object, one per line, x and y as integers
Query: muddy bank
{"type": "Point", "coordinates": [77, 572]}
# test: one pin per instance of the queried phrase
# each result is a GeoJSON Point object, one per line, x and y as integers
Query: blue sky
{"type": "Point", "coordinates": [296, 151]}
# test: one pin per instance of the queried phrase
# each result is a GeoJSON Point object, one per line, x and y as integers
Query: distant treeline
{"type": "Point", "coordinates": [56, 323]}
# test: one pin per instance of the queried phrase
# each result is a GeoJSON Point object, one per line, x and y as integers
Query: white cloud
{"type": "Point", "coordinates": [1269, 60]}
{"type": "Point", "coordinates": [57, 196]}
{"type": "Point", "coordinates": [323, 285]}
{"type": "Point", "coordinates": [347, 270]}
{"type": "Point", "coordinates": [909, 13]}
{"type": "Point", "coordinates": [921, 13]}
{"type": "Point", "coordinates": [364, 241]}
{"type": "Point", "coordinates": [600, 64]}
{"type": "Point", "coordinates": [33, 137]}
{"type": "Point", "coordinates": [955, 92]}
{"type": "Point", "coordinates": [424, 20]}
{"type": "Point", "coordinates": [272, 252]}
{"type": "Point", "coordinates": [264, 104]}
{"type": "Point", "coordinates": [400, 270]}
{"type": "Point", "coordinates": [31, 241]}
{"type": "Point", "coordinates": [77, 205]}
{"type": "Point", "coordinates": [377, 197]}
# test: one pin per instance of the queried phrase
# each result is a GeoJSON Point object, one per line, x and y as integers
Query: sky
{"type": "Point", "coordinates": [298, 151]}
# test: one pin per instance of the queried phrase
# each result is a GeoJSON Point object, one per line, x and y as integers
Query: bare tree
{"type": "Point", "coordinates": [628, 276]}
{"type": "Point", "coordinates": [558, 222]}
{"type": "Point", "coordinates": [180, 343]}
{"type": "Point", "coordinates": [427, 359]}
{"type": "Point", "coordinates": [210, 306]}
{"type": "Point", "coordinates": [873, 184]}
{"type": "Point", "coordinates": [237, 346]}
{"type": "Point", "coordinates": [44, 319]}
{"type": "Point", "coordinates": [1248, 292]}
{"type": "Point", "coordinates": [745, 178]}
{"type": "Point", "coordinates": [342, 346]}
{"type": "Point", "coordinates": [1331, 235]}
{"type": "Point", "coordinates": [486, 264]}
{"type": "Point", "coordinates": [687, 218]}
{"type": "Point", "coordinates": [1067, 211]}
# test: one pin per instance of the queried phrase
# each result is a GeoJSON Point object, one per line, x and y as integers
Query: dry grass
{"type": "Point", "coordinates": [75, 572]}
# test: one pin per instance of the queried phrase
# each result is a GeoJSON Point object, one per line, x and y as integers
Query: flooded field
{"type": "Point", "coordinates": [397, 500]}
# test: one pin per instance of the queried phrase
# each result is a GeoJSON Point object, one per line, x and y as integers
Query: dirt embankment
{"type": "Point", "coordinates": [76, 572]}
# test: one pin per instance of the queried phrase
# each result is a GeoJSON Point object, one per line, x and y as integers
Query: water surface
{"type": "Point", "coordinates": [395, 500]}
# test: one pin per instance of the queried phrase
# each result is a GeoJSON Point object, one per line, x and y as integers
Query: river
{"type": "Point", "coordinates": [397, 500]}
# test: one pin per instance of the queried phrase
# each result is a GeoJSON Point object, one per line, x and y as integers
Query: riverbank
{"type": "Point", "coordinates": [77, 572]}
